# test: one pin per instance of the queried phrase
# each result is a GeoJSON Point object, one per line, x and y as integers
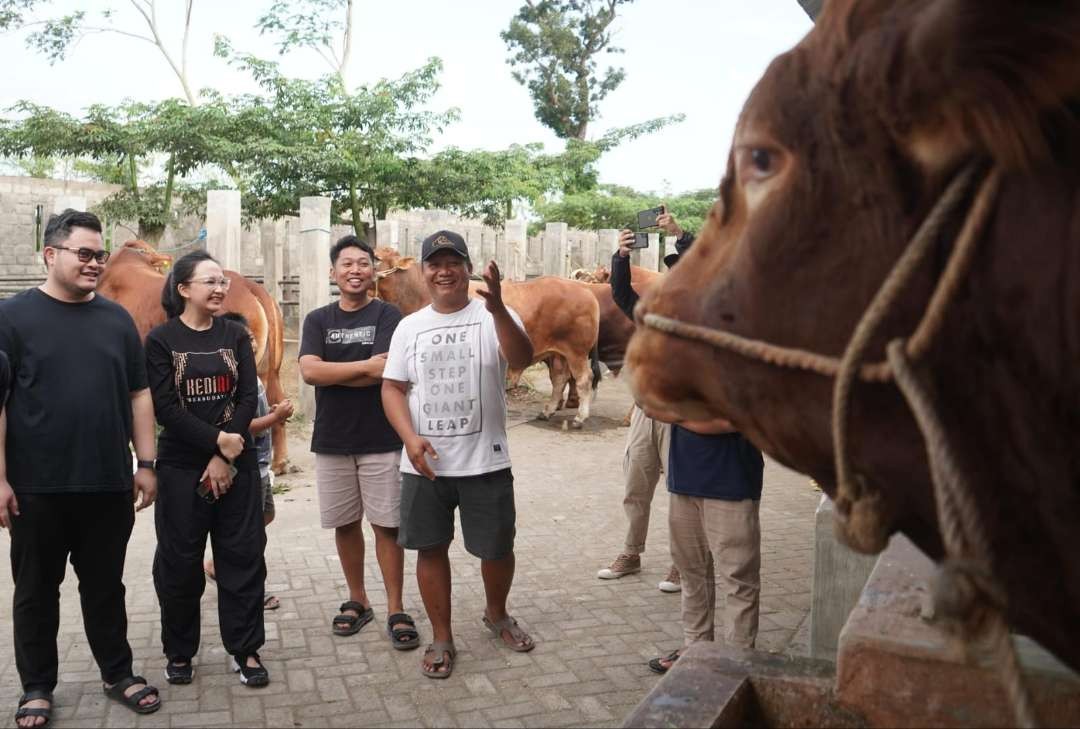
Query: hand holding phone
{"type": "Point", "coordinates": [206, 489]}
{"type": "Point", "coordinates": [648, 218]}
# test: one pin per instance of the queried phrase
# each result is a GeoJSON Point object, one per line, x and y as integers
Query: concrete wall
{"type": "Point", "coordinates": [19, 236]}
{"type": "Point", "coordinates": [20, 195]}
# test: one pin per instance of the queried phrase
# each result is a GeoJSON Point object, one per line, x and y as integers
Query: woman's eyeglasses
{"type": "Point", "coordinates": [85, 254]}
{"type": "Point", "coordinates": [214, 283]}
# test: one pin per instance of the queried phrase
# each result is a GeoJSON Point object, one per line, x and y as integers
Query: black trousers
{"type": "Point", "coordinates": [94, 530]}
{"type": "Point", "coordinates": [237, 534]}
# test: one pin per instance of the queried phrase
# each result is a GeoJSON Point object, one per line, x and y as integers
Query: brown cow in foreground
{"type": "Point", "coordinates": [560, 317]}
{"type": "Point", "coordinates": [134, 278]}
{"type": "Point", "coordinates": [840, 151]}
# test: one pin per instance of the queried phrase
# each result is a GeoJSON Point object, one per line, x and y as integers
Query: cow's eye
{"type": "Point", "coordinates": [757, 163]}
{"type": "Point", "coordinates": [762, 160]}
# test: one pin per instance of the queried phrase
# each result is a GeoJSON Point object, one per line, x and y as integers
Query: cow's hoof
{"type": "Point", "coordinates": [543, 416]}
{"type": "Point", "coordinates": [576, 425]}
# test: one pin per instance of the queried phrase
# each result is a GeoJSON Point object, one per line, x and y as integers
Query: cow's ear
{"type": "Point", "coordinates": [988, 76]}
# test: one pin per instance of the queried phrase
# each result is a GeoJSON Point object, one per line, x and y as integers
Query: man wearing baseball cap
{"type": "Point", "coordinates": [444, 393]}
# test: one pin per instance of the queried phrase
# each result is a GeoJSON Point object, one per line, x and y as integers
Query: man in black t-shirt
{"type": "Point", "coordinates": [357, 454]}
{"type": "Point", "coordinates": [79, 399]}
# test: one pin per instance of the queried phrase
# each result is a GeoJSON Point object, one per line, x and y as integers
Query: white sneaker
{"type": "Point", "coordinates": [624, 564]}
{"type": "Point", "coordinates": [671, 583]}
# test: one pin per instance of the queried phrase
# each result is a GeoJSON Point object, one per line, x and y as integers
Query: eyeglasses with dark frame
{"type": "Point", "coordinates": [85, 254]}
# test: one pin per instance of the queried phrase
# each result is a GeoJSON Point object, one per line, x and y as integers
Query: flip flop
{"type": "Point", "coordinates": [447, 654]}
{"type": "Point", "coordinates": [517, 635]}
{"type": "Point", "coordinates": [271, 603]}
{"type": "Point", "coordinates": [656, 665]}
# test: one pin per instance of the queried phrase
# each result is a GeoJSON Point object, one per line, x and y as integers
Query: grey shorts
{"type": "Point", "coordinates": [268, 495]}
{"type": "Point", "coordinates": [487, 509]}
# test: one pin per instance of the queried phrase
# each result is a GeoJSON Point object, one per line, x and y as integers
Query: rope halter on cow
{"type": "Point", "coordinates": [966, 591]}
{"type": "Point", "coordinates": [380, 275]}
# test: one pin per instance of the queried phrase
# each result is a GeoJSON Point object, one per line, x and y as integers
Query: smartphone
{"type": "Point", "coordinates": [647, 218]}
{"type": "Point", "coordinates": [206, 491]}
{"type": "Point", "coordinates": [641, 240]}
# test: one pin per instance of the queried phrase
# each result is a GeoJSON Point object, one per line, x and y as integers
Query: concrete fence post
{"type": "Point", "coordinates": [314, 280]}
{"type": "Point", "coordinates": [223, 231]}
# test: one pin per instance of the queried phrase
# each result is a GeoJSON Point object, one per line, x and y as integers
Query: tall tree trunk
{"type": "Point", "coordinates": [169, 182]}
{"type": "Point", "coordinates": [354, 206]}
{"type": "Point", "coordinates": [133, 177]}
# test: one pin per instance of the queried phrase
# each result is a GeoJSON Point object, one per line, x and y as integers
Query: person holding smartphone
{"type": "Point", "coordinates": [646, 454]}
{"type": "Point", "coordinates": [201, 370]}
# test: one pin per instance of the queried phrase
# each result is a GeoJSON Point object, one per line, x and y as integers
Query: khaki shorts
{"type": "Point", "coordinates": [351, 486]}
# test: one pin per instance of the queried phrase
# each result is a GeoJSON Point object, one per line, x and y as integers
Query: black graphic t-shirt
{"type": "Point", "coordinates": [350, 420]}
{"type": "Point", "coordinates": [73, 367]}
{"type": "Point", "coordinates": [203, 383]}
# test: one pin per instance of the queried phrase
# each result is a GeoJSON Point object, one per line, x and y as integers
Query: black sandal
{"type": "Point", "coordinates": [403, 639]}
{"type": "Point", "coordinates": [345, 624]}
{"type": "Point", "coordinates": [116, 693]}
{"type": "Point", "coordinates": [656, 665]}
{"type": "Point", "coordinates": [43, 712]}
{"type": "Point", "coordinates": [179, 672]}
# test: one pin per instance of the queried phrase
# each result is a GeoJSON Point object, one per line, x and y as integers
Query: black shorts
{"type": "Point", "coordinates": [486, 501]}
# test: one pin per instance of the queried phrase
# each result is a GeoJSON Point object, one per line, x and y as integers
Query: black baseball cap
{"type": "Point", "coordinates": [443, 240]}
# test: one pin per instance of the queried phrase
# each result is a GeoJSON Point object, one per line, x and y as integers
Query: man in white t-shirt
{"type": "Point", "coordinates": [444, 393]}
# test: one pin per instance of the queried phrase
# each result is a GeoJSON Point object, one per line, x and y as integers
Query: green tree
{"type": "Point", "coordinates": [124, 145]}
{"type": "Point", "coordinates": [554, 47]}
{"type": "Point", "coordinates": [362, 149]}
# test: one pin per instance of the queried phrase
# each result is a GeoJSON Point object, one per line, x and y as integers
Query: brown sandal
{"type": "Point", "coordinates": [517, 635]}
{"type": "Point", "coordinates": [446, 652]}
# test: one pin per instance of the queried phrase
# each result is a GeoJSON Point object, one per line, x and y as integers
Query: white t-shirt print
{"type": "Point", "coordinates": [457, 387]}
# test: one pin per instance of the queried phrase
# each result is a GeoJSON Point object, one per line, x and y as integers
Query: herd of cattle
{"type": "Point", "coordinates": [574, 324]}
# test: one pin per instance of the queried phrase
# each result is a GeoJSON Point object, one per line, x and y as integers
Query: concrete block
{"type": "Point", "coordinates": [839, 577]}
{"type": "Point", "coordinates": [900, 668]}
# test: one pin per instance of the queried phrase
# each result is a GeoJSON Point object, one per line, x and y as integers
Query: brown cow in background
{"type": "Point", "coordinates": [841, 150]}
{"type": "Point", "coordinates": [134, 277]}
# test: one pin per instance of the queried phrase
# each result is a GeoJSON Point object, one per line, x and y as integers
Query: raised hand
{"type": "Point", "coordinates": [493, 294]}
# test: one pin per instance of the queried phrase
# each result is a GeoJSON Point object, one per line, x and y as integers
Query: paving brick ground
{"type": "Point", "coordinates": [594, 637]}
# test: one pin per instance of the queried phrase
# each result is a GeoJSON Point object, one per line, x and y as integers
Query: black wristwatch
{"type": "Point", "coordinates": [146, 464]}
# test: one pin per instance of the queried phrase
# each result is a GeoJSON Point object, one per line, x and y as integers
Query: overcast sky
{"type": "Point", "coordinates": [697, 57]}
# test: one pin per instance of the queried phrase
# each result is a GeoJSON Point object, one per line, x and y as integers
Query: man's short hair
{"type": "Point", "coordinates": [60, 226]}
{"type": "Point", "coordinates": [350, 241]}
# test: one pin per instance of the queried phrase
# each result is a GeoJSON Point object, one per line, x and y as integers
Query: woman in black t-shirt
{"type": "Point", "coordinates": [202, 375]}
